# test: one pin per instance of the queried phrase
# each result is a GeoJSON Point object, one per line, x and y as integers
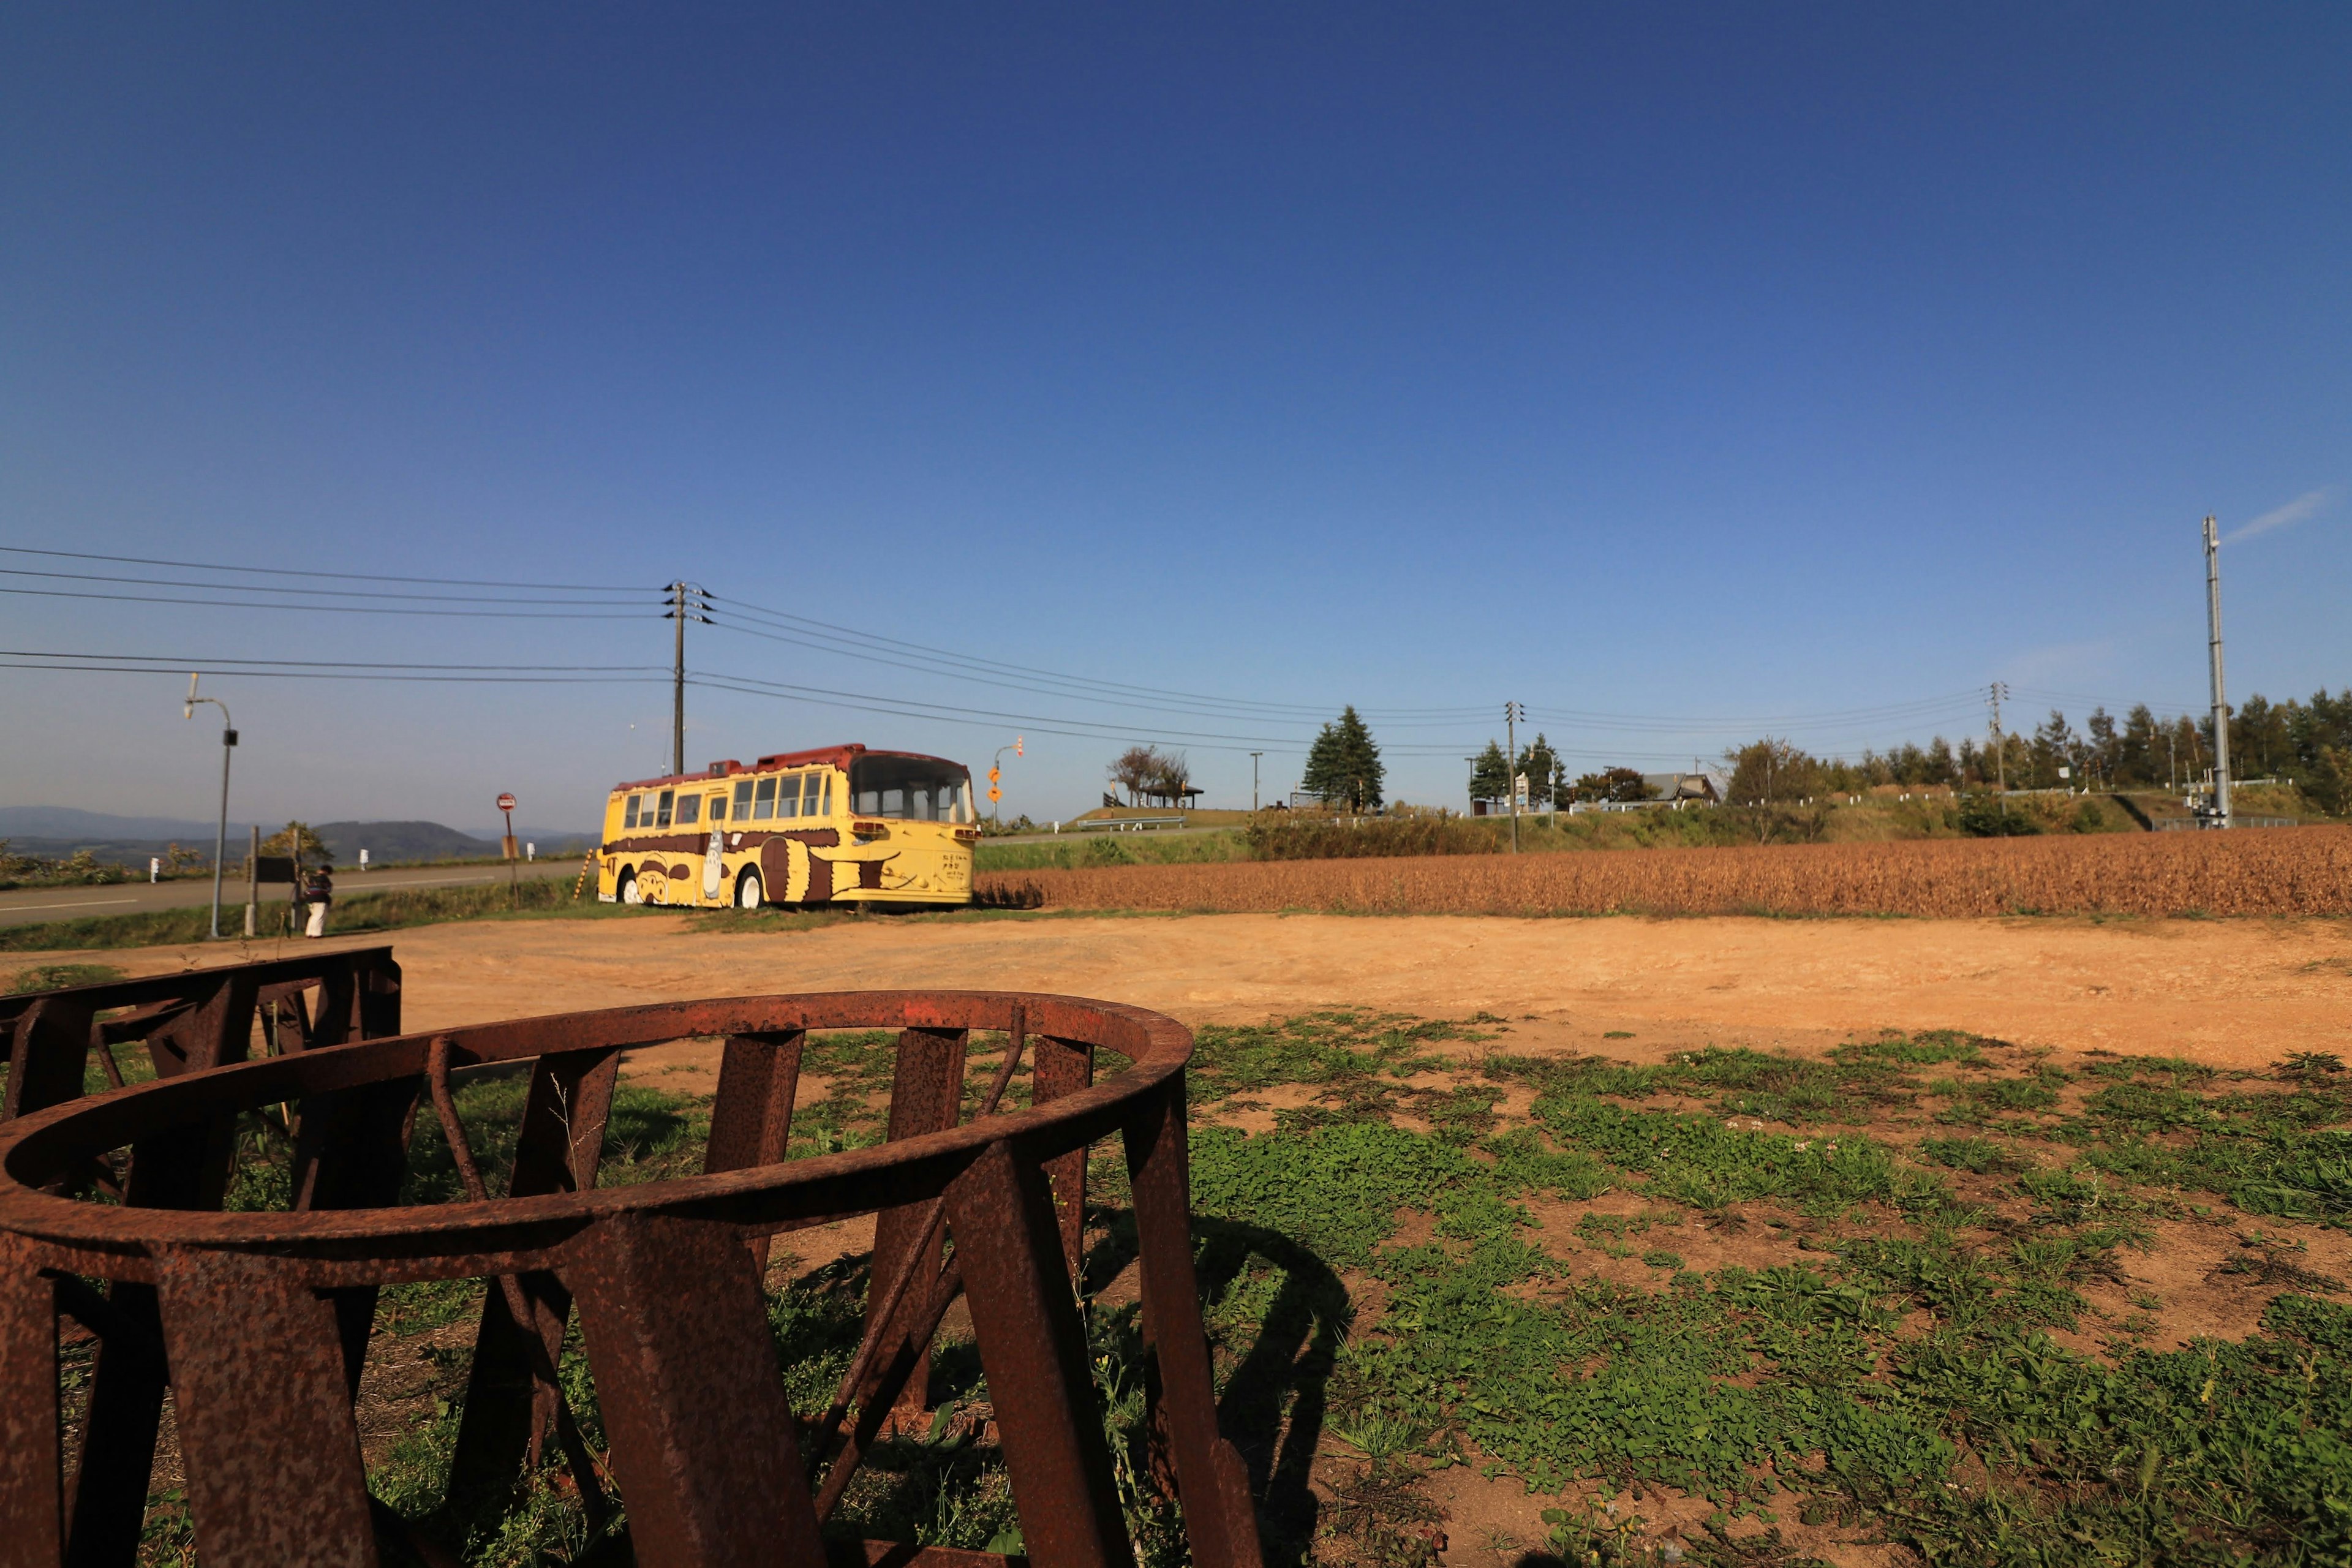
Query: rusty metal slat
{"type": "Point", "coordinates": [926, 1095]}
{"type": "Point", "coordinates": [1220, 1520]}
{"type": "Point", "coordinates": [335, 1018]}
{"type": "Point", "coordinates": [1032, 1351]}
{"type": "Point", "coordinates": [379, 993]}
{"type": "Point", "coordinates": [1064, 1068]}
{"type": "Point", "coordinates": [47, 1055]}
{"type": "Point", "coordinates": [184, 1168]}
{"type": "Point", "coordinates": [274, 1479]}
{"type": "Point", "coordinates": [510, 1410]}
{"type": "Point", "coordinates": [703, 1441]}
{"type": "Point", "coordinates": [351, 1152]}
{"type": "Point", "coordinates": [32, 1499]}
{"type": "Point", "coordinates": [218, 1030]}
{"type": "Point", "coordinates": [752, 1114]}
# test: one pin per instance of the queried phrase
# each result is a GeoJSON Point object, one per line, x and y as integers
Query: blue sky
{"type": "Point", "coordinates": [1684, 372]}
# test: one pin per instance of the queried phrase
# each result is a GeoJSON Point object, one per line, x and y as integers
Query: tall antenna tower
{"type": "Point", "coordinates": [2217, 816]}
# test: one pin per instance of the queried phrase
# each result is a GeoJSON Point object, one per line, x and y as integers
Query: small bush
{"type": "Point", "coordinates": [1989, 816]}
{"type": "Point", "coordinates": [1274, 836]}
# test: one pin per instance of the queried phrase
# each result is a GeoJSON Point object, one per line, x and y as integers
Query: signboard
{"type": "Point", "coordinates": [506, 803]}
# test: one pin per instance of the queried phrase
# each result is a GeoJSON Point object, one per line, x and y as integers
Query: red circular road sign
{"type": "Point", "coordinates": [506, 803]}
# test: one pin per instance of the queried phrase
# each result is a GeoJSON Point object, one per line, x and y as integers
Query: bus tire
{"type": "Point", "coordinates": [748, 890]}
{"type": "Point", "coordinates": [629, 893]}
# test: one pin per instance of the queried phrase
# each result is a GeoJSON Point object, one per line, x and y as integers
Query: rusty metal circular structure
{"type": "Point", "coordinates": [258, 1322]}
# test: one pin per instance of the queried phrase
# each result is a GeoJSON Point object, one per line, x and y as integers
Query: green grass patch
{"type": "Point", "coordinates": [57, 976]}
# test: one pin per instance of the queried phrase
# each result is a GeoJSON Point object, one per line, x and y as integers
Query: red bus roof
{"type": "Point", "coordinates": [832, 756]}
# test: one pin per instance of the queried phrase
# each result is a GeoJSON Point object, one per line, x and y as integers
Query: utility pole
{"type": "Point", "coordinates": [2000, 690]}
{"type": "Point", "coordinates": [1254, 757]}
{"type": "Point", "coordinates": [1512, 714]}
{"type": "Point", "coordinates": [2220, 812]}
{"type": "Point", "coordinates": [687, 603]}
{"type": "Point", "coordinates": [228, 746]}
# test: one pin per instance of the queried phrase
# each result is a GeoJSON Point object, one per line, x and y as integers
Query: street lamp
{"type": "Point", "coordinates": [996, 775]}
{"type": "Point", "coordinates": [220, 836]}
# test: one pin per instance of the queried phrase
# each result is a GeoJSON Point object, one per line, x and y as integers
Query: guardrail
{"type": "Point", "coordinates": [1127, 824]}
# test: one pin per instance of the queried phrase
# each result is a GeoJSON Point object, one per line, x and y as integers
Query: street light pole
{"type": "Point", "coordinates": [220, 835]}
{"type": "Point", "coordinates": [1254, 757]}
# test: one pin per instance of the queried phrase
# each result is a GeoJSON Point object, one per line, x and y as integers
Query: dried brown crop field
{"type": "Point", "coordinates": [2279, 871]}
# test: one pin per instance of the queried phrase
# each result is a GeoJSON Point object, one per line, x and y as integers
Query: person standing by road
{"type": "Point", "coordinates": [318, 891]}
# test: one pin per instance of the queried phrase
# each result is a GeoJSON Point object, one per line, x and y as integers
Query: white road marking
{"type": "Point", "coordinates": [83, 904]}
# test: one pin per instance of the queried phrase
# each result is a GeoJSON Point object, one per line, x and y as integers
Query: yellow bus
{"type": "Point", "coordinates": [837, 825]}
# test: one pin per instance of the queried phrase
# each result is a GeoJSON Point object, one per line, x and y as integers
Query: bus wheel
{"type": "Point", "coordinates": [629, 893]}
{"type": "Point", "coordinates": [747, 891]}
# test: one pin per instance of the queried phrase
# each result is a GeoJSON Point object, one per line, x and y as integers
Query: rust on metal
{"type": "Point", "coordinates": [258, 1322]}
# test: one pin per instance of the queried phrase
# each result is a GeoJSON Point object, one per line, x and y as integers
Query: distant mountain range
{"type": "Point", "coordinates": [59, 830]}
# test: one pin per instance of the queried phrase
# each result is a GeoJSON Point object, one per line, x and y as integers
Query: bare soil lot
{"type": "Point", "coordinates": [2238, 994]}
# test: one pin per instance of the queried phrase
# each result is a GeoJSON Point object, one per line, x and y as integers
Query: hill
{"type": "Point", "coordinates": [388, 842]}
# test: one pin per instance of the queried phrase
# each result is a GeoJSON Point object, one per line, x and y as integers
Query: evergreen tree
{"type": "Point", "coordinates": [1542, 766]}
{"type": "Point", "coordinates": [1490, 776]}
{"type": "Point", "coordinates": [1343, 766]}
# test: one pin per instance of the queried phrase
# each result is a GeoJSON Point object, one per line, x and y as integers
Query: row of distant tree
{"type": "Point", "coordinates": [2308, 743]}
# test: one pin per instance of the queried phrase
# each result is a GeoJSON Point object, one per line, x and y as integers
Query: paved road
{"type": "Point", "coordinates": [21, 906]}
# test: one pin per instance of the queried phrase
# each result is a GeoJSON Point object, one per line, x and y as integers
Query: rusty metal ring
{"type": "Point", "coordinates": [330, 1247]}
{"type": "Point", "coordinates": [257, 1324]}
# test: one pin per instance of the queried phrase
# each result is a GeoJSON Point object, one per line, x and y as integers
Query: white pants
{"type": "Point", "coordinates": [318, 926]}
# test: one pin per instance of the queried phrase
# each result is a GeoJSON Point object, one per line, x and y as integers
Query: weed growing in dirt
{"type": "Point", "coordinates": [1731, 1307]}
{"type": "Point", "coordinates": [1902, 1381]}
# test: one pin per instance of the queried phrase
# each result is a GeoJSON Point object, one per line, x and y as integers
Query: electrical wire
{"type": "Point", "coordinates": [343, 576]}
{"type": "Point", "coordinates": [958, 663]}
{"type": "Point", "coordinates": [325, 609]}
{"type": "Point", "coordinates": [640, 598]}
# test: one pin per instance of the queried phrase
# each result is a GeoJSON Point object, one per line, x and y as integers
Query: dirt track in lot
{"type": "Point", "coordinates": [2230, 993]}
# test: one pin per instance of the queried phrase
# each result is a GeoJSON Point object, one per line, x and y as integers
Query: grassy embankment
{"type": "Point", "coordinates": [1929, 1289]}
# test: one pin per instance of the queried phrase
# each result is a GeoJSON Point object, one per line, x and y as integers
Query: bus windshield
{"type": "Point", "coordinates": [917, 789]}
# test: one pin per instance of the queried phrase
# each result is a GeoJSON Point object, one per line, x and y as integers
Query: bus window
{"type": "Point", "coordinates": [689, 809]}
{"type": "Point", "coordinates": [820, 795]}
{"type": "Point", "coordinates": [788, 795]}
{"type": "Point", "coordinates": [763, 800]}
{"type": "Point", "coordinates": [717, 808]}
{"type": "Point", "coordinates": [742, 799]}
{"type": "Point", "coordinates": [910, 789]}
{"type": "Point", "coordinates": [629, 813]}
{"type": "Point", "coordinates": [661, 811]}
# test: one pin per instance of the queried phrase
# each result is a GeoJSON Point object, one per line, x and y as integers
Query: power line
{"type": "Point", "coordinates": [306, 593]}
{"type": "Point", "coordinates": [494, 679]}
{"type": "Point", "coordinates": [560, 615]}
{"type": "Point", "coordinates": [1057, 688]}
{"type": "Point", "coordinates": [343, 576]}
{"type": "Point", "coordinates": [183, 661]}
{"type": "Point", "coordinates": [788, 620]}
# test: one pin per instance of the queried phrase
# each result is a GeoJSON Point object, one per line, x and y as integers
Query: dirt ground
{"type": "Point", "coordinates": [2229, 993]}
{"type": "Point", "coordinates": [2234, 993]}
